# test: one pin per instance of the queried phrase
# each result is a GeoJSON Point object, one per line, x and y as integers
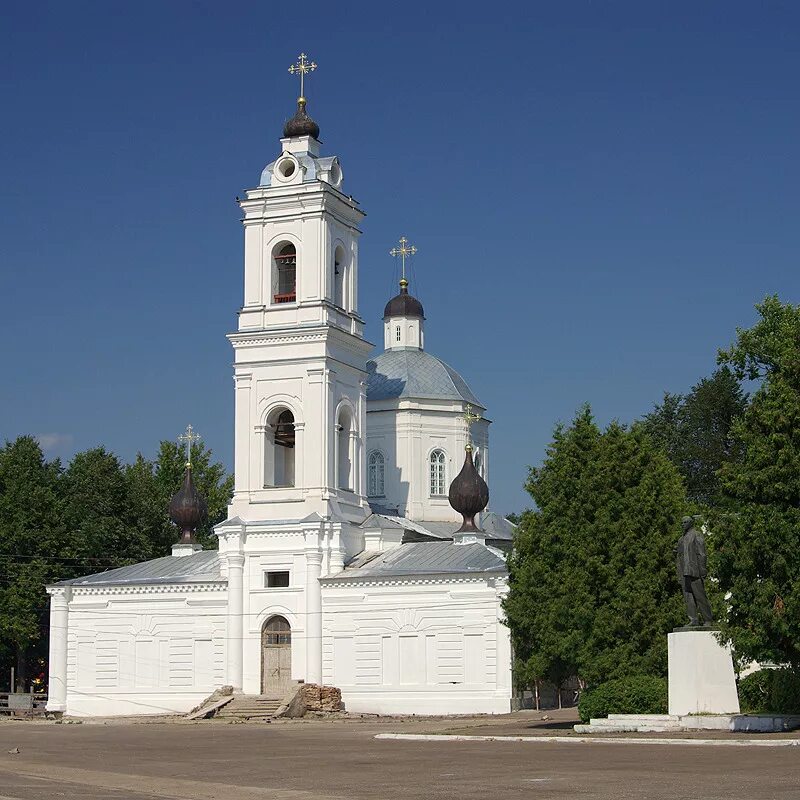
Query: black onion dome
{"type": "Point", "coordinates": [188, 509]}
{"type": "Point", "coordinates": [300, 124]}
{"type": "Point", "coordinates": [468, 494]}
{"type": "Point", "coordinates": [403, 305]}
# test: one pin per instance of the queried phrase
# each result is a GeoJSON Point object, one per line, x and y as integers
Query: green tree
{"type": "Point", "coordinates": [97, 512]}
{"type": "Point", "coordinates": [592, 585]}
{"type": "Point", "coordinates": [695, 431]}
{"type": "Point", "coordinates": [758, 538]}
{"type": "Point", "coordinates": [151, 485]}
{"type": "Point", "coordinates": [30, 546]}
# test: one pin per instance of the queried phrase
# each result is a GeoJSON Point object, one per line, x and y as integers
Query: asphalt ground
{"type": "Point", "coordinates": [301, 760]}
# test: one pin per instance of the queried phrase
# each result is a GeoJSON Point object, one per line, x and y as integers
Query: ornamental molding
{"type": "Point", "coordinates": [400, 580]}
{"type": "Point", "coordinates": [220, 585]}
{"type": "Point", "coordinates": [245, 339]}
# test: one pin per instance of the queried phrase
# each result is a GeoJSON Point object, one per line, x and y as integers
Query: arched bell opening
{"type": "Point", "coordinates": [339, 278]}
{"type": "Point", "coordinates": [284, 273]}
{"type": "Point", "coordinates": [279, 450]}
{"type": "Point", "coordinates": [344, 451]}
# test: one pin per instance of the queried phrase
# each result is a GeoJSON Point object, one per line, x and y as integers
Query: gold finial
{"type": "Point", "coordinates": [302, 67]}
{"type": "Point", "coordinates": [189, 437]}
{"type": "Point", "coordinates": [469, 419]}
{"type": "Point", "coordinates": [404, 250]}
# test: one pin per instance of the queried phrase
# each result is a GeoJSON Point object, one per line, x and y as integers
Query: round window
{"type": "Point", "coordinates": [286, 168]}
{"type": "Point", "coordinates": [336, 174]}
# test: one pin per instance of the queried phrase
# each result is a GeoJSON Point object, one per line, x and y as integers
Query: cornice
{"type": "Point", "coordinates": [259, 337]}
{"type": "Point", "coordinates": [153, 588]}
{"type": "Point", "coordinates": [405, 580]}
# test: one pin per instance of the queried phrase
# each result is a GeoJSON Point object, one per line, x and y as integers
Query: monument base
{"type": "Point", "coordinates": [701, 678]}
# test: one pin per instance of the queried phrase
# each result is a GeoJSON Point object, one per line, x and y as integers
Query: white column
{"type": "Point", "coordinates": [313, 616]}
{"type": "Point", "coordinates": [242, 435]}
{"type": "Point", "coordinates": [235, 620]}
{"type": "Point", "coordinates": [59, 629]}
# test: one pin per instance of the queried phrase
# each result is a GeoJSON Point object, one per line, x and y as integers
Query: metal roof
{"type": "Point", "coordinates": [494, 525]}
{"type": "Point", "coordinates": [415, 373]}
{"type": "Point", "coordinates": [426, 558]}
{"type": "Point", "coordinates": [197, 568]}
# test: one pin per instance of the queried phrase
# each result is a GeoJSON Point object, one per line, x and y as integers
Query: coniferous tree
{"type": "Point", "coordinates": [757, 538]}
{"type": "Point", "coordinates": [593, 590]}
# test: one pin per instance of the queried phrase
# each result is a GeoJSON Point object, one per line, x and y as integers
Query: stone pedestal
{"type": "Point", "coordinates": [701, 678]}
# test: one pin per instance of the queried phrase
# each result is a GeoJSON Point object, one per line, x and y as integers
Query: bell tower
{"type": "Point", "coordinates": [300, 354]}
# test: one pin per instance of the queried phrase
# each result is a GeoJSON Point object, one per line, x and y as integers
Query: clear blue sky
{"type": "Point", "coordinates": [600, 192]}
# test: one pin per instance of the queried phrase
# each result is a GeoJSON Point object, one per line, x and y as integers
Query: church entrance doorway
{"type": "Point", "coordinates": [276, 657]}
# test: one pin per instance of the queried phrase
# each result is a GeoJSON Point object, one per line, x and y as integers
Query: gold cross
{"type": "Point", "coordinates": [302, 67]}
{"type": "Point", "coordinates": [189, 437]}
{"type": "Point", "coordinates": [469, 419]}
{"type": "Point", "coordinates": [404, 250]}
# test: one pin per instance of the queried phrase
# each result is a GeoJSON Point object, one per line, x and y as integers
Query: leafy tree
{"type": "Point", "coordinates": [29, 545]}
{"type": "Point", "coordinates": [758, 538]}
{"type": "Point", "coordinates": [592, 584]}
{"type": "Point", "coordinates": [695, 432]}
{"type": "Point", "coordinates": [97, 512]}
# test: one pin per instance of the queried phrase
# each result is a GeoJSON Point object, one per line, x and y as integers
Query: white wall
{"type": "Point", "coordinates": [275, 546]}
{"type": "Point", "coordinates": [406, 432]}
{"type": "Point", "coordinates": [144, 650]}
{"type": "Point", "coordinates": [430, 646]}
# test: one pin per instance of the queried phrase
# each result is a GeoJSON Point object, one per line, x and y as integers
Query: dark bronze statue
{"type": "Point", "coordinates": [691, 564]}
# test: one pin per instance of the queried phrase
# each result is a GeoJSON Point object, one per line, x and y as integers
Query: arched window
{"type": "Point", "coordinates": [344, 458]}
{"type": "Point", "coordinates": [284, 277]}
{"type": "Point", "coordinates": [339, 283]}
{"type": "Point", "coordinates": [437, 464]}
{"type": "Point", "coordinates": [375, 474]}
{"type": "Point", "coordinates": [279, 440]}
{"type": "Point", "coordinates": [479, 463]}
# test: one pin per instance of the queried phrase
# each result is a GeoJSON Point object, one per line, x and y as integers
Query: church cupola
{"type": "Point", "coordinates": [188, 509]}
{"type": "Point", "coordinates": [301, 124]}
{"type": "Point", "coordinates": [468, 495]}
{"type": "Point", "coordinates": [403, 316]}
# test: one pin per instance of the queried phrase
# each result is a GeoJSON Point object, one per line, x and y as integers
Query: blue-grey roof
{"type": "Point", "coordinates": [415, 373]}
{"type": "Point", "coordinates": [197, 568]}
{"type": "Point", "coordinates": [426, 558]}
{"type": "Point", "coordinates": [494, 525]}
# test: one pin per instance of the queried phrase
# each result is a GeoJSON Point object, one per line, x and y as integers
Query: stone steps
{"type": "Point", "coordinates": [250, 707]}
{"type": "Point", "coordinates": [631, 723]}
{"type": "Point", "coordinates": [662, 723]}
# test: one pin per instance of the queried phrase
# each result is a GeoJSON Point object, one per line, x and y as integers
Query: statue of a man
{"type": "Point", "coordinates": [691, 564]}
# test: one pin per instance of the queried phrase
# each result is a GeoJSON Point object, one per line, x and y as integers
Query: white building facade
{"type": "Point", "coordinates": [338, 563]}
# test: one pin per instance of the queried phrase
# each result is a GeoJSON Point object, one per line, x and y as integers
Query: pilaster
{"type": "Point", "coordinates": [235, 632]}
{"type": "Point", "coordinates": [313, 609]}
{"type": "Point", "coordinates": [59, 633]}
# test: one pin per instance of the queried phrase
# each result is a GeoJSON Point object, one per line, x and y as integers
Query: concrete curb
{"type": "Point", "coordinates": [426, 737]}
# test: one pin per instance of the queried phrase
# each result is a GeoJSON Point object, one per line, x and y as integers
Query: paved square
{"type": "Point", "coordinates": [332, 759]}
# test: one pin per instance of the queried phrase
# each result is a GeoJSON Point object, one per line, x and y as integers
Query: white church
{"type": "Point", "coordinates": [342, 562]}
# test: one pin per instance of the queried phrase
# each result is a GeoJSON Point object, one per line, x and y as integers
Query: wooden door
{"type": "Point", "coordinates": [276, 657]}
